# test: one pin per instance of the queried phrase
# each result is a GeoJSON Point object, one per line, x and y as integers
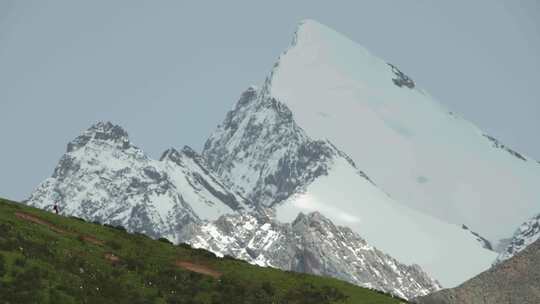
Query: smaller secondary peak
{"type": "Point", "coordinates": [107, 130]}
{"type": "Point", "coordinates": [101, 131]}
{"type": "Point", "coordinates": [252, 88]}
{"type": "Point", "coordinates": [190, 153]}
{"type": "Point", "coordinates": [249, 93]}
{"type": "Point", "coordinates": [171, 154]}
{"type": "Point", "coordinates": [247, 96]}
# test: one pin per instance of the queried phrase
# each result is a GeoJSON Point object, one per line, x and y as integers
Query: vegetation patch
{"type": "Point", "coordinates": [46, 258]}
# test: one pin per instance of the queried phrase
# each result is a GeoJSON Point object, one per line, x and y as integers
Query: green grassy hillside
{"type": "Point", "coordinates": [45, 258]}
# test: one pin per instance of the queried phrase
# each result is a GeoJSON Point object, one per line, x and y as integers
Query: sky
{"type": "Point", "coordinates": [168, 71]}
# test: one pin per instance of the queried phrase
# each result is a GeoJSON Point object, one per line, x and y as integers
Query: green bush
{"type": "Point", "coordinates": [117, 227]}
{"type": "Point", "coordinates": [77, 218]}
{"type": "Point", "coordinates": [114, 244]}
{"type": "Point", "coordinates": [20, 262]}
{"type": "Point", "coordinates": [3, 266]}
{"type": "Point", "coordinates": [165, 240]}
{"type": "Point", "coordinates": [26, 287]}
{"type": "Point", "coordinates": [184, 245]}
{"type": "Point", "coordinates": [308, 293]}
{"type": "Point", "coordinates": [203, 253]}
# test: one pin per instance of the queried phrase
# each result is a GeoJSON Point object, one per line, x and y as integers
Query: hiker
{"type": "Point", "coordinates": [56, 208]}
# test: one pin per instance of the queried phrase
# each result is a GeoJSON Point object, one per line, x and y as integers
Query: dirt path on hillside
{"type": "Point", "coordinates": [198, 268]}
{"type": "Point", "coordinates": [93, 240]}
{"type": "Point", "coordinates": [37, 220]}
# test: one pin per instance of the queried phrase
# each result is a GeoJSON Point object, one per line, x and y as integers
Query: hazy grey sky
{"type": "Point", "coordinates": [168, 71]}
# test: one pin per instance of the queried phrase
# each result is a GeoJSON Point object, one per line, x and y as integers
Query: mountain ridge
{"type": "Point", "coordinates": [103, 177]}
{"type": "Point", "coordinates": [147, 196]}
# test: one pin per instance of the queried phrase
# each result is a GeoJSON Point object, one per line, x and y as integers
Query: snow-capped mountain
{"type": "Point", "coordinates": [103, 177]}
{"type": "Point", "coordinates": [415, 149]}
{"type": "Point", "coordinates": [337, 130]}
{"type": "Point", "coordinates": [526, 234]}
{"type": "Point", "coordinates": [311, 244]}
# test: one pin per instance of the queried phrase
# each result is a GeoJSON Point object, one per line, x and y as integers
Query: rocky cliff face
{"type": "Point", "coordinates": [261, 151]}
{"type": "Point", "coordinates": [515, 280]}
{"type": "Point", "coordinates": [526, 234]}
{"type": "Point", "coordinates": [311, 244]}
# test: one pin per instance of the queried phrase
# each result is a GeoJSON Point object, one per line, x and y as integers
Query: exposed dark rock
{"type": "Point", "coordinates": [525, 234]}
{"type": "Point", "coordinates": [401, 80]}
{"type": "Point", "coordinates": [277, 157]}
{"type": "Point", "coordinates": [499, 145]}
{"type": "Point", "coordinates": [483, 241]}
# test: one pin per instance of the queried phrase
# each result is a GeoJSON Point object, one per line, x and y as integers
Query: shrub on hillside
{"type": "Point", "coordinates": [165, 240]}
{"type": "Point", "coordinates": [203, 253]}
{"type": "Point", "coordinates": [308, 293]}
{"type": "Point", "coordinates": [114, 244]}
{"type": "Point", "coordinates": [77, 218]}
{"type": "Point", "coordinates": [184, 245]}
{"type": "Point", "coordinates": [2, 265]}
{"type": "Point", "coordinates": [117, 227]}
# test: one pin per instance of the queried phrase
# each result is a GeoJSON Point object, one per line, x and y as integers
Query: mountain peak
{"type": "Point", "coordinates": [101, 131]}
{"type": "Point", "coordinates": [107, 130]}
{"type": "Point", "coordinates": [188, 151]}
{"type": "Point", "coordinates": [307, 24]}
{"type": "Point", "coordinates": [309, 31]}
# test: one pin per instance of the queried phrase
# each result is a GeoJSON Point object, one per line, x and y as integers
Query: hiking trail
{"type": "Point", "coordinates": [37, 220]}
{"type": "Point", "coordinates": [198, 268]}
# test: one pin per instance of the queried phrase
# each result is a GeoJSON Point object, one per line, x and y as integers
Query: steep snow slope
{"type": "Point", "coordinates": [414, 148]}
{"type": "Point", "coordinates": [103, 177]}
{"type": "Point", "coordinates": [206, 194]}
{"type": "Point", "coordinates": [262, 151]}
{"type": "Point", "coordinates": [406, 234]}
{"type": "Point", "coordinates": [312, 244]}
{"type": "Point", "coordinates": [526, 234]}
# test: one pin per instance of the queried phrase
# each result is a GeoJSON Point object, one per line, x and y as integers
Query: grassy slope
{"type": "Point", "coordinates": [41, 265]}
